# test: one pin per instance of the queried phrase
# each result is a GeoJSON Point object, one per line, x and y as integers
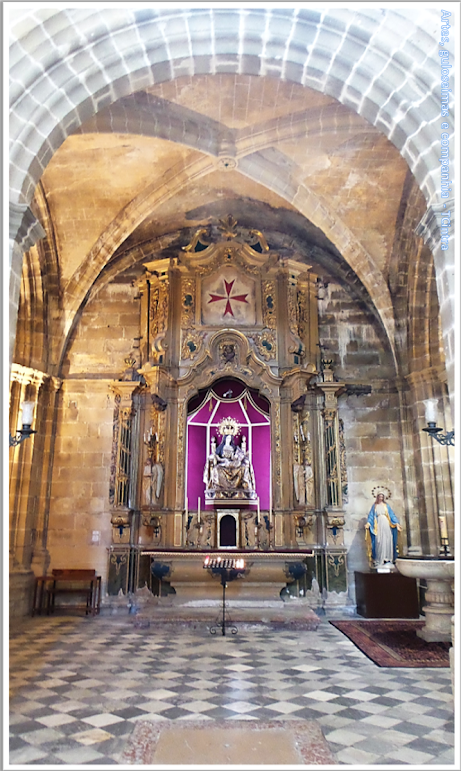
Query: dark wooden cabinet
{"type": "Point", "coordinates": [386, 595]}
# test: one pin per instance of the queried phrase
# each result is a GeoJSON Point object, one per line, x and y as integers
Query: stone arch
{"type": "Point", "coordinates": [382, 63]}
{"type": "Point", "coordinates": [358, 57]}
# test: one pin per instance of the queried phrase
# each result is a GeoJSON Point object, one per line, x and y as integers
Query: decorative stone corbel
{"type": "Point", "coordinates": [334, 523]}
{"type": "Point", "coordinates": [303, 522]}
{"type": "Point", "coordinates": [121, 524]}
{"type": "Point", "coordinates": [124, 389]}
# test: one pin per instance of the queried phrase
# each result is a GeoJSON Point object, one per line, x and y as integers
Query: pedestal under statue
{"type": "Point", "coordinates": [228, 471]}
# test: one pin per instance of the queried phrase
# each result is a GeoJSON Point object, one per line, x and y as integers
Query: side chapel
{"type": "Point", "coordinates": [228, 435]}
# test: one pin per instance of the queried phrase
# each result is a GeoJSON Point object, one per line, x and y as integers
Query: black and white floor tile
{"type": "Point", "coordinates": [78, 685]}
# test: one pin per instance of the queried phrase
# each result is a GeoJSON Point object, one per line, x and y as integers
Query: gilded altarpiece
{"type": "Point", "coordinates": [234, 433]}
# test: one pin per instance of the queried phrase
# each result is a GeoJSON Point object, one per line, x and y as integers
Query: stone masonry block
{"type": "Point", "coordinates": [380, 444]}
{"type": "Point", "coordinates": [308, 15]}
{"type": "Point", "coordinates": [226, 22]}
{"type": "Point", "coordinates": [202, 62]}
{"type": "Point", "coordinates": [293, 72]}
{"type": "Point", "coordinates": [337, 20]}
{"type": "Point", "coordinates": [199, 24]}
{"type": "Point", "coordinates": [361, 30]}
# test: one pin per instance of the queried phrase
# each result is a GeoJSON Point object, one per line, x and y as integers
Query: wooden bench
{"type": "Point", "coordinates": [74, 583]}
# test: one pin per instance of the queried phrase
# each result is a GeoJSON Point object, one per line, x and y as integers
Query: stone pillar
{"type": "Point", "coordinates": [45, 441]}
{"type": "Point", "coordinates": [26, 383]}
{"type": "Point", "coordinates": [411, 502]}
{"type": "Point", "coordinates": [429, 229]}
{"type": "Point", "coordinates": [434, 464]}
{"type": "Point", "coordinates": [24, 231]}
{"type": "Point", "coordinates": [121, 514]}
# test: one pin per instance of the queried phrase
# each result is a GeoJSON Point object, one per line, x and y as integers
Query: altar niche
{"type": "Point", "coordinates": [228, 461]}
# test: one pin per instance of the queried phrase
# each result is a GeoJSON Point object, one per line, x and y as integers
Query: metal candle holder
{"type": "Point", "coordinates": [228, 570]}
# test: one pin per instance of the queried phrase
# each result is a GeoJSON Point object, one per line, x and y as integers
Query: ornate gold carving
{"type": "Point", "coordinates": [292, 309]}
{"type": "Point", "coordinates": [302, 314]}
{"type": "Point", "coordinates": [187, 302]}
{"type": "Point", "coordinates": [191, 344]}
{"type": "Point", "coordinates": [329, 415]}
{"type": "Point", "coordinates": [120, 520]}
{"type": "Point", "coordinates": [335, 521]}
{"type": "Point", "coordinates": [336, 562]}
{"type": "Point", "coordinates": [258, 238]}
{"type": "Point", "coordinates": [201, 235]}
{"type": "Point", "coordinates": [158, 316]}
{"type": "Point", "coordinates": [227, 226]}
{"type": "Point", "coordinates": [180, 447]}
{"type": "Point", "coordinates": [343, 462]}
{"type": "Point", "coordinates": [228, 352]}
{"type": "Point", "coordinates": [118, 560]}
{"type": "Point", "coordinates": [266, 344]}
{"type": "Point", "coordinates": [269, 304]}
{"type": "Point", "coordinates": [230, 255]}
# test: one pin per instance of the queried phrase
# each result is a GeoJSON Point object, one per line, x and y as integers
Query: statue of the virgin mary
{"type": "Point", "coordinates": [228, 471]}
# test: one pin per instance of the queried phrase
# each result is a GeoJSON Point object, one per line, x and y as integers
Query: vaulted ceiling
{"type": "Point", "coordinates": [146, 171]}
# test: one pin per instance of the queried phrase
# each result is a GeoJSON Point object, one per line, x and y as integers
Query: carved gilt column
{"type": "Point", "coordinates": [333, 509]}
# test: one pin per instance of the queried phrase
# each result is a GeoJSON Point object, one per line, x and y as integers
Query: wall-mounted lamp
{"type": "Point", "coordinates": [26, 430]}
{"type": "Point", "coordinates": [432, 429]}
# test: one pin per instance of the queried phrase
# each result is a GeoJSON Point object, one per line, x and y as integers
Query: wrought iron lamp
{"type": "Point", "coordinates": [432, 429]}
{"type": "Point", "coordinates": [26, 431]}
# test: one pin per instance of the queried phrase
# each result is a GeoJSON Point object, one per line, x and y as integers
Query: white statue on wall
{"type": "Point", "coordinates": [303, 478]}
{"type": "Point", "coordinates": [152, 482]}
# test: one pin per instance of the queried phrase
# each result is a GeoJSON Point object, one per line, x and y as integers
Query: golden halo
{"type": "Point", "coordinates": [228, 426]}
{"type": "Point", "coordinates": [381, 489]}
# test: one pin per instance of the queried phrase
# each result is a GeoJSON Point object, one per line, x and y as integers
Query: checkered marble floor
{"type": "Point", "coordinates": [78, 685]}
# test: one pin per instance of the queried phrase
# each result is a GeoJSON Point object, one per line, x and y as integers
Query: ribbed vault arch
{"type": "Point", "coordinates": [304, 199]}
{"type": "Point", "coordinates": [68, 64]}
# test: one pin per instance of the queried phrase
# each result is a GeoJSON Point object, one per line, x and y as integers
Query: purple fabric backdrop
{"type": "Point", "coordinates": [197, 449]}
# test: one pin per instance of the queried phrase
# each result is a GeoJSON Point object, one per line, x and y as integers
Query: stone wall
{"type": "Point", "coordinates": [351, 338]}
{"type": "Point", "coordinates": [79, 524]}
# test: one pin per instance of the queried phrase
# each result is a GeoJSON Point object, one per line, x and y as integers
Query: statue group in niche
{"type": "Point", "coordinates": [228, 471]}
{"type": "Point", "coordinates": [382, 527]}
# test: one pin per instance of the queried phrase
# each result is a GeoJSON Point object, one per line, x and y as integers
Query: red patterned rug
{"type": "Point", "coordinates": [395, 643]}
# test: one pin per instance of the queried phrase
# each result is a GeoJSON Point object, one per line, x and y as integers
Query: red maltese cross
{"type": "Point", "coordinates": [241, 298]}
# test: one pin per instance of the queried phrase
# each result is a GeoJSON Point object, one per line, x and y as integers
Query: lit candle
{"type": "Point", "coordinates": [198, 510]}
{"type": "Point", "coordinates": [443, 527]}
{"type": "Point", "coordinates": [431, 410]}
